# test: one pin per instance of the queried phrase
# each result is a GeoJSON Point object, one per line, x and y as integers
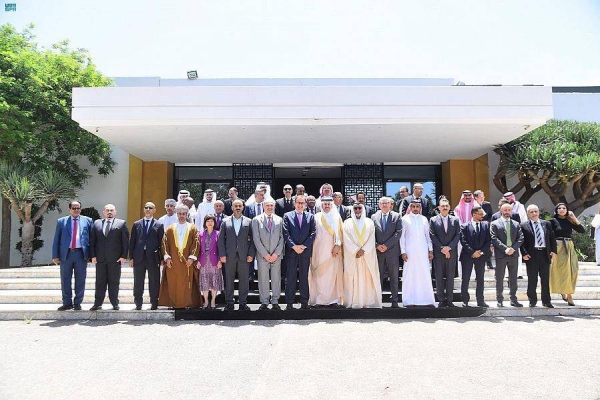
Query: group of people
{"type": "Point", "coordinates": [334, 255]}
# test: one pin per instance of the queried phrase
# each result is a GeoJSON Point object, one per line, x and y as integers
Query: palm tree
{"type": "Point", "coordinates": [23, 188]}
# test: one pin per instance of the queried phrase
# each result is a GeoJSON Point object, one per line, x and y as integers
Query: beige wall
{"type": "Point", "coordinates": [148, 181]}
{"type": "Point", "coordinates": [458, 175]}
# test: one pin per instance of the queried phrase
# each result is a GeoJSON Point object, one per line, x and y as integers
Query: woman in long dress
{"type": "Point", "coordinates": [565, 266]}
{"type": "Point", "coordinates": [210, 274]}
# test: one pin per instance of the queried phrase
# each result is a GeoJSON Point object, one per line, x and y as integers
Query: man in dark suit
{"type": "Point", "coordinates": [255, 208]}
{"type": "Point", "coordinates": [444, 230]}
{"type": "Point", "coordinates": [237, 252]}
{"type": "Point", "coordinates": [298, 232]}
{"type": "Point", "coordinates": [311, 205]}
{"type": "Point", "coordinates": [417, 195]}
{"type": "Point", "coordinates": [109, 246]}
{"type": "Point", "coordinates": [219, 213]}
{"type": "Point", "coordinates": [476, 242]}
{"type": "Point", "coordinates": [144, 249]}
{"type": "Point", "coordinates": [71, 247]}
{"type": "Point", "coordinates": [538, 249]}
{"type": "Point", "coordinates": [507, 238]}
{"type": "Point", "coordinates": [286, 203]}
{"type": "Point", "coordinates": [388, 228]}
{"type": "Point", "coordinates": [233, 196]}
{"type": "Point", "coordinates": [338, 201]}
{"type": "Point", "coordinates": [362, 199]}
{"type": "Point", "coordinates": [479, 197]}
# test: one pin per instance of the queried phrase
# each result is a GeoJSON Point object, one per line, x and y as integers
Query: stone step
{"type": "Point", "coordinates": [44, 296]}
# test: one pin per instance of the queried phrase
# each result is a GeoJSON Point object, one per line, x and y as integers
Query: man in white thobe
{"type": "Point", "coordinates": [206, 207]}
{"type": "Point", "coordinates": [362, 285]}
{"type": "Point", "coordinates": [326, 274]}
{"type": "Point", "coordinates": [417, 252]}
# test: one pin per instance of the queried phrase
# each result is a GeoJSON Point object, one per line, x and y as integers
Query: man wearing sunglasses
{"type": "Point", "coordinates": [286, 203]}
{"type": "Point", "coordinates": [71, 248]}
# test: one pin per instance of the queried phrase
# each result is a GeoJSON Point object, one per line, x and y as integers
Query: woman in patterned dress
{"type": "Point", "coordinates": [210, 276]}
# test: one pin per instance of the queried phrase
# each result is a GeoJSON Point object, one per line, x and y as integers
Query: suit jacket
{"type": "Point", "coordinates": [250, 211]}
{"type": "Point", "coordinates": [391, 236]}
{"type": "Point", "coordinates": [369, 210]}
{"type": "Point", "coordinates": [304, 235]}
{"type": "Point", "coordinates": [471, 241]}
{"type": "Point", "coordinates": [343, 211]}
{"type": "Point", "coordinates": [487, 207]}
{"type": "Point", "coordinates": [108, 249]}
{"type": "Point", "coordinates": [266, 242]}
{"type": "Point", "coordinates": [62, 236]}
{"type": "Point", "coordinates": [281, 207]}
{"type": "Point", "coordinates": [440, 238]}
{"type": "Point", "coordinates": [514, 216]}
{"type": "Point", "coordinates": [152, 241]}
{"type": "Point", "coordinates": [213, 249]}
{"type": "Point", "coordinates": [315, 210]}
{"type": "Point", "coordinates": [231, 244]}
{"type": "Point", "coordinates": [499, 237]}
{"type": "Point", "coordinates": [527, 248]}
{"type": "Point", "coordinates": [424, 205]}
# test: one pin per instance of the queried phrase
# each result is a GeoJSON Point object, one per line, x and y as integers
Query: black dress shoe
{"type": "Point", "coordinates": [500, 304]}
{"type": "Point", "coordinates": [244, 307]}
{"type": "Point", "coordinates": [482, 304]}
{"type": "Point", "coordinates": [289, 307]}
{"type": "Point", "coordinates": [450, 304]}
{"type": "Point", "coordinates": [263, 307]}
{"type": "Point", "coordinates": [532, 304]}
{"type": "Point", "coordinates": [466, 304]}
{"type": "Point", "coordinates": [394, 304]}
{"type": "Point", "coordinates": [442, 304]}
{"type": "Point", "coordinates": [77, 307]}
{"type": "Point", "coordinates": [564, 298]}
{"type": "Point", "coordinates": [520, 277]}
{"type": "Point", "coordinates": [304, 306]}
{"type": "Point", "coordinates": [116, 308]}
{"type": "Point", "coordinates": [96, 308]}
{"type": "Point", "coordinates": [154, 308]}
{"type": "Point", "coordinates": [228, 307]}
{"type": "Point", "coordinates": [548, 305]}
{"type": "Point", "coordinates": [138, 308]}
{"type": "Point", "coordinates": [65, 307]}
{"type": "Point", "coordinates": [275, 307]}
{"type": "Point", "coordinates": [516, 304]}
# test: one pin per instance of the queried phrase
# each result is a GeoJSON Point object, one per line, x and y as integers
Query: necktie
{"type": "Point", "coordinates": [146, 223]}
{"type": "Point", "coordinates": [106, 227]}
{"type": "Point", "coordinates": [299, 220]}
{"type": "Point", "coordinates": [538, 234]}
{"type": "Point", "coordinates": [508, 238]}
{"type": "Point", "coordinates": [384, 222]}
{"type": "Point", "coordinates": [259, 209]}
{"type": "Point", "coordinates": [269, 223]}
{"type": "Point", "coordinates": [218, 221]}
{"type": "Point", "coordinates": [74, 233]}
{"type": "Point", "coordinates": [445, 221]}
{"type": "Point", "coordinates": [477, 229]}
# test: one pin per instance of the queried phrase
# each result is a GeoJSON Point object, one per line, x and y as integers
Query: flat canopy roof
{"type": "Point", "coordinates": [308, 124]}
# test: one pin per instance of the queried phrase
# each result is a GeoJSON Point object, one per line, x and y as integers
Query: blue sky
{"type": "Point", "coordinates": [478, 42]}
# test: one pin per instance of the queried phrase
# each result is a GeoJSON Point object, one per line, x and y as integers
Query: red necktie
{"type": "Point", "coordinates": [74, 233]}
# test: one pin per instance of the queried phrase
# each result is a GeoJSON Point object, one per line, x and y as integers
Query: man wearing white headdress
{"type": "Point", "coordinates": [326, 274]}
{"type": "Point", "coordinates": [326, 190]}
{"type": "Point", "coordinates": [362, 285]}
{"type": "Point", "coordinates": [206, 207]}
{"type": "Point", "coordinates": [266, 189]}
{"type": "Point", "coordinates": [170, 217]}
{"type": "Point", "coordinates": [417, 252]}
{"type": "Point", "coordinates": [182, 195]}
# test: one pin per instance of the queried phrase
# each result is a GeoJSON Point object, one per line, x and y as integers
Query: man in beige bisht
{"type": "Point", "coordinates": [180, 246]}
{"type": "Point", "coordinates": [326, 274]}
{"type": "Point", "coordinates": [362, 286]}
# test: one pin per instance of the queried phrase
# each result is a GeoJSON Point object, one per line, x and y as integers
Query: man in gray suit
{"type": "Point", "coordinates": [267, 232]}
{"type": "Point", "coordinates": [388, 228]}
{"type": "Point", "coordinates": [507, 237]}
{"type": "Point", "coordinates": [444, 230]}
{"type": "Point", "coordinates": [109, 245]}
{"type": "Point", "coordinates": [236, 250]}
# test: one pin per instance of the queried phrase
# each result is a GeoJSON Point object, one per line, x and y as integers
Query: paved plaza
{"type": "Point", "coordinates": [478, 358]}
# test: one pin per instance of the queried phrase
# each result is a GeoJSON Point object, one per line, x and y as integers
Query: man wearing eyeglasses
{"type": "Point", "coordinates": [71, 248]}
{"type": "Point", "coordinates": [144, 248]}
{"type": "Point", "coordinates": [286, 203]}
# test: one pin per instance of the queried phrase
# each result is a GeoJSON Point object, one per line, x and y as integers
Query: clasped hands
{"type": "Point", "coordinates": [270, 258]}
{"type": "Point", "coordinates": [299, 248]}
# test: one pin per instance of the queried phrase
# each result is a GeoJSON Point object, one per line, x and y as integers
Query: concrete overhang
{"type": "Point", "coordinates": [304, 124]}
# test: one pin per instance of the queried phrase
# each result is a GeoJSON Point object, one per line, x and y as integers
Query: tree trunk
{"type": "Point", "coordinates": [27, 243]}
{"type": "Point", "coordinates": [6, 231]}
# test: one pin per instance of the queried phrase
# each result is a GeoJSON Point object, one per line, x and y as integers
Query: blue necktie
{"type": "Point", "coordinates": [384, 222]}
